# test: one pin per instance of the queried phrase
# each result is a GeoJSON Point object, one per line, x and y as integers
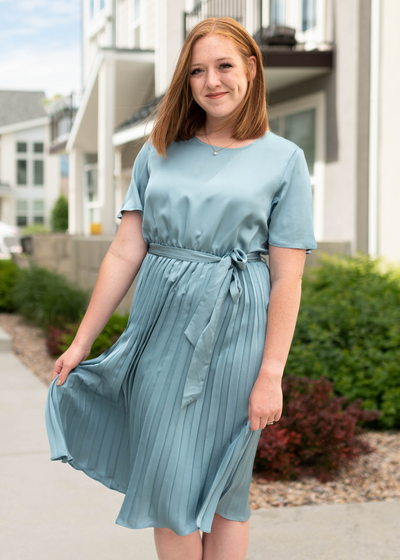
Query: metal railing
{"type": "Point", "coordinates": [308, 19]}
{"type": "Point", "coordinates": [248, 14]}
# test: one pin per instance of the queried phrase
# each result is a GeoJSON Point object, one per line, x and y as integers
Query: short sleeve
{"type": "Point", "coordinates": [134, 198]}
{"type": "Point", "coordinates": [291, 223]}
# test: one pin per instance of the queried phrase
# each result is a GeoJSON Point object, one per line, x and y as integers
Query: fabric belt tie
{"type": "Point", "coordinates": [201, 330]}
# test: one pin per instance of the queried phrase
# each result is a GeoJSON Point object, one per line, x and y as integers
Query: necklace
{"type": "Point", "coordinates": [216, 151]}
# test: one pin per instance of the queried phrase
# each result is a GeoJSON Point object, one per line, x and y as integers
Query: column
{"type": "Point", "coordinates": [75, 195]}
{"type": "Point", "coordinates": [105, 149]}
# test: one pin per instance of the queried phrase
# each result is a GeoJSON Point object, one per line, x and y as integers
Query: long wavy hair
{"type": "Point", "coordinates": [179, 117]}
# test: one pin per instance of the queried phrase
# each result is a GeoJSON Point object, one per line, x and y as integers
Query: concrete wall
{"type": "Point", "coordinates": [79, 258]}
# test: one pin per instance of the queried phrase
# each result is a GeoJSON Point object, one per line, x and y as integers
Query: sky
{"type": "Point", "coordinates": [40, 42]}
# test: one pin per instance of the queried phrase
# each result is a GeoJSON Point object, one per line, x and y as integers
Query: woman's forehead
{"type": "Point", "coordinates": [213, 47]}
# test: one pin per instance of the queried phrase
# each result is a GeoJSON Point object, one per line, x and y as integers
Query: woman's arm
{"type": "Point", "coordinates": [286, 268]}
{"type": "Point", "coordinates": [116, 274]}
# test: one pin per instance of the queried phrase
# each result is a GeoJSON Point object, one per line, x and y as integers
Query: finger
{"type": "Point", "coordinates": [63, 375]}
{"type": "Point", "coordinates": [56, 370]}
{"type": "Point", "coordinates": [254, 423]}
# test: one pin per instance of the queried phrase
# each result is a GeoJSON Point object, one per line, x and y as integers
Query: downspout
{"type": "Point", "coordinates": [373, 184]}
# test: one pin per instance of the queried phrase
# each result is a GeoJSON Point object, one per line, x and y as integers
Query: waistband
{"type": "Point", "coordinates": [180, 253]}
{"type": "Point", "coordinates": [201, 330]}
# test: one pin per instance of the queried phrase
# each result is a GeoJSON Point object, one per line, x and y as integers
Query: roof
{"type": "Point", "coordinates": [20, 106]}
{"type": "Point", "coordinates": [140, 115]}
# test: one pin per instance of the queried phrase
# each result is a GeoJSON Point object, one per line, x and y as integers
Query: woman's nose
{"type": "Point", "coordinates": [212, 78]}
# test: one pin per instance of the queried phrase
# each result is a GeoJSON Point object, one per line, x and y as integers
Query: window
{"type": "Point", "coordinates": [309, 20]}
{"type": "Point", "coordinates": [21, 147]}
{"type": "Point", "coordinates": [38, 205]}
{"type": "Point", "coordinates": [38, 211]}
{"type": "Point", "coordinates": [91, 8]}
{"type": "Point", "coordinates": [22, 221]}
{"type": "Point", "coordinates": [38, 147]}
{"type": "Point", "coordinates": [22, 213]}
{"type": "Point", "coordinates": [302, 121]}
{"type": "Point", "coordinates": [102, 4]}
{"type": "Point", "coordinates": [278, 12]}
{"type": "Point", "coordinates": [137, 9]}
{"type": "Point", "coordinates": [38, 172]}
{"type": "Point", "coordinates": [64, 165]}
{"type": "Point", "coordinates": [300, 129]}
{"type": "Point", "coordinates": [21, 171]}
{"type": "Point", "coordinates": [22, 205]}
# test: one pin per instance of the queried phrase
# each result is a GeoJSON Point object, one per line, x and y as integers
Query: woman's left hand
{"type": "Point", "coordinates": [265, 403]}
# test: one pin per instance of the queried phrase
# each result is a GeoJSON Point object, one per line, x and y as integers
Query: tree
{"type": "Point", "coordinates": [59, 215]}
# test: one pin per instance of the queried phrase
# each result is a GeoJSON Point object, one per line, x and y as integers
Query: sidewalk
{"type": "Point", "coordinates": [49, 510]}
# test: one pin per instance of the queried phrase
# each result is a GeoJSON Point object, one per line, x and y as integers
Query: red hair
{"type": "Point", "coordinates": [179, 116]}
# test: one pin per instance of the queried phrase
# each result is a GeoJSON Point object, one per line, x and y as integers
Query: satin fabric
{"type": "Point", "coordinates": [162, 415]}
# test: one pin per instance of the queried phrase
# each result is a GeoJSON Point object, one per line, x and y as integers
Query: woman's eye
{"type": "Point", "coordinates": [223, 65]}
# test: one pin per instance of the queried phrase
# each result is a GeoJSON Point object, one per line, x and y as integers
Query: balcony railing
{"type": "Point", "coordinates": [303, 24]}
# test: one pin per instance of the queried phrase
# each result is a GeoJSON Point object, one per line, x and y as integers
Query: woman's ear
{"type": "Point", "coordinates": [253, 66]}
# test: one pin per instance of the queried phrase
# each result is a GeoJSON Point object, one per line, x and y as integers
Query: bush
{"type": "Point", "coordinates": [58, 341]}
{"type": "Point", "coordinates": [348, 330]}
{"type": "Point", "coordinates": [32, 229]}
{"type": "Point", "coordinates": [59, 214]}
{"type": "Point", "coordinates": [46, 298]}
{"type": "Point", "coordinates": [9, 273]}
{"type": "Point", "coordinates": [315, 435]}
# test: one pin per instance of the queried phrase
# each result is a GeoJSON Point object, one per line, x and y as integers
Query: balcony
{"type": "Point", "coordinates": [308, 19]}
{"type": "Point", "coordinates": [295, 37]}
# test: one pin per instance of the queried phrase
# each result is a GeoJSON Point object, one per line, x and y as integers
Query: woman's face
{"type": "Point", "coordinates": [217, 75]}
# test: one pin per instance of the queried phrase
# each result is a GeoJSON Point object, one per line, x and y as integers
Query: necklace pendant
{"type": "Point", "coordinates": [215, 153]}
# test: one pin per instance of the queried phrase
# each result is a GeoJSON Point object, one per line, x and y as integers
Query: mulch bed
{"type": "Point", "coordinates": [371, 477]}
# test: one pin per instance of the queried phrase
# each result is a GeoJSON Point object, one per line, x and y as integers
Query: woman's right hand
{"type": "Point", "coordinates": [67, 361]}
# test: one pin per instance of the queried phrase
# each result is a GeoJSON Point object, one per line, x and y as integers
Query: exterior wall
{"type": "Point", "coordinates": [122, 29]}
{"type": "Point", "coordinates": [79, 258]}
{"type": "Point", "coordinates": [339, 219]}
{"type": "Point", "coordinates": [169, 40]}
{"type": "Point", "coordinates": [51, 188]}
{"type": "Point", "coordinates": [7, 175]}
{"type": "Point", "coordinates": [389, 126]}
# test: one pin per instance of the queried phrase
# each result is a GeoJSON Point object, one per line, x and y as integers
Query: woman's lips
{"type": "Point", "coordinates": [216, 96]}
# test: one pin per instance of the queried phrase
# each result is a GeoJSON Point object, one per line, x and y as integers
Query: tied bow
{"type": "Point", "coordinates": [201, 331]}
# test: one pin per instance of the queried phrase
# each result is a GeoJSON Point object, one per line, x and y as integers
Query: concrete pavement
{"type": "Point", "coordinates": [49, 510]}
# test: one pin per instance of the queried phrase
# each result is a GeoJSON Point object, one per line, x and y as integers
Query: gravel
{"type": "Point", "coordinates": [371, 477]}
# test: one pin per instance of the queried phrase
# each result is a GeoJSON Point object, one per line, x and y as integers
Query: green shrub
{"type": "Point", "coordinates": [59, 341]}
{"type": "Point", "coordinates": [59, 214]}
{"type": "Point", "coordinates": [46, 298]}
{"type": "Point", "coordinates": [348, 330]}
{"type": "Point", "coordinates": [34, 228]}
{"type": "Point", "coordinates": [9, 273]}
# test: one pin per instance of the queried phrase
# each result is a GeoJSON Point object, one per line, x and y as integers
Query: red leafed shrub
{"type": "Point", "coordinates": [316, 434]}
{"type": "Point", "coordinates": [53, 340]}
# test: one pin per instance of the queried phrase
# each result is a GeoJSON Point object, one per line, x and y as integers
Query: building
{"type": "Point", "coordinates": [29, 174]}
{"type": "Point", "coordinates": [331, 75]}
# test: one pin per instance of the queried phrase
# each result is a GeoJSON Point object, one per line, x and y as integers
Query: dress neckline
{"type": "Point", "coordinates": [231, 149]}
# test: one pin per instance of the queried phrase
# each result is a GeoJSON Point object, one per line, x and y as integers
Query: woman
{"type": "Point", "coordinates": [171, 415]}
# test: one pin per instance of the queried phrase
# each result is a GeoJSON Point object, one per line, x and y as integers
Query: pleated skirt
{"type": "Point", "coordinates": [118, 417]}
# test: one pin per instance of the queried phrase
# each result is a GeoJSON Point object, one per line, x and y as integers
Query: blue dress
{"type": "Point", "coordinates": [162, 415]}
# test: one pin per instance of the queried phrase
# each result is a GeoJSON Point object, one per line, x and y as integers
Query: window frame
{"type": "Point", "coordinates": [315, 101]}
